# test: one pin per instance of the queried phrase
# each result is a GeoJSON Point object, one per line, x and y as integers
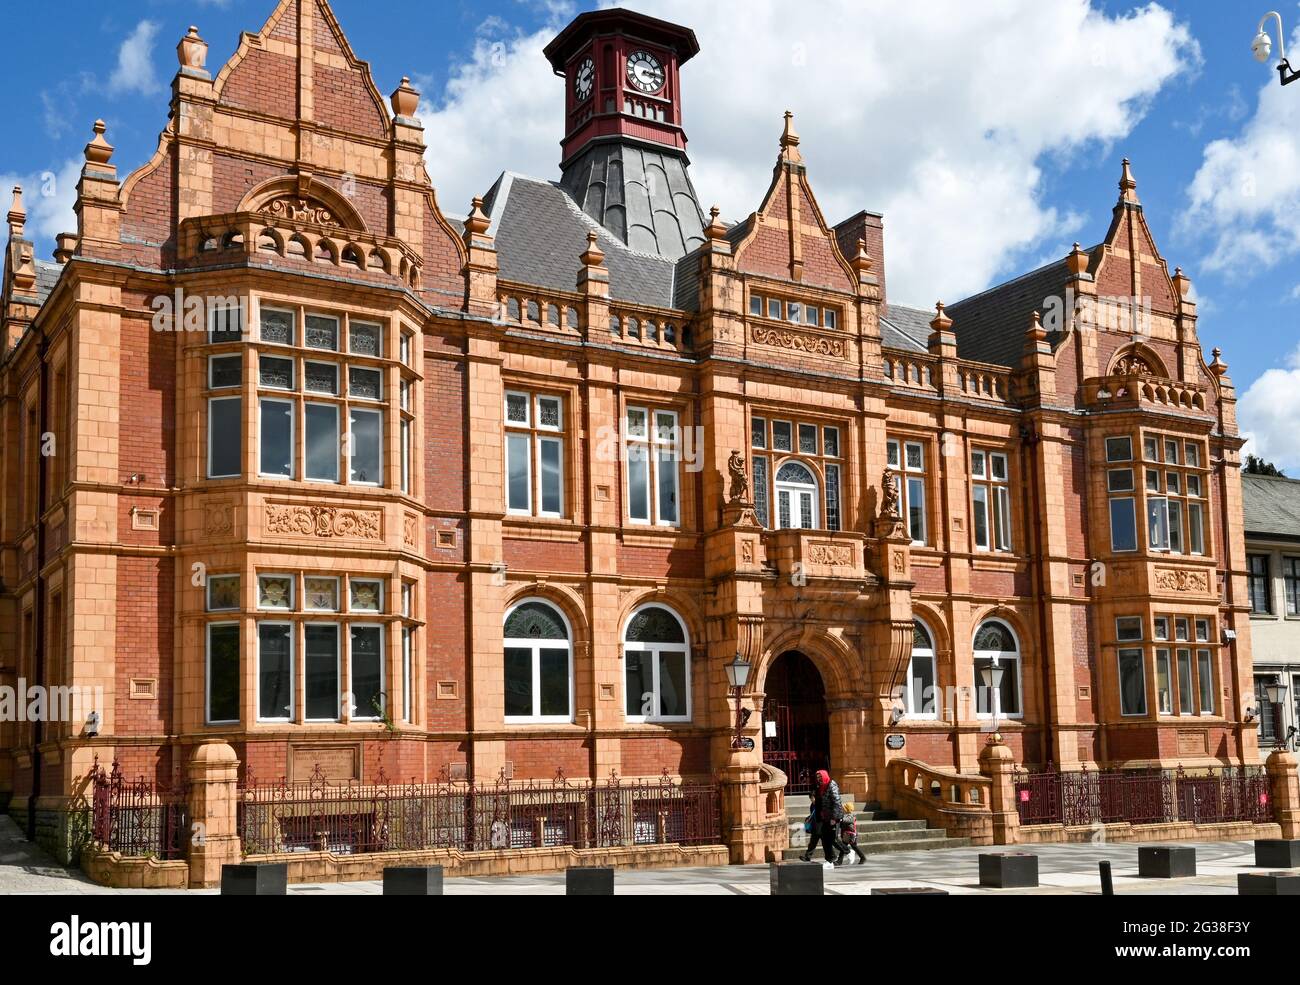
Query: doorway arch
{"type": "Point", "coordinates": [794, 708]}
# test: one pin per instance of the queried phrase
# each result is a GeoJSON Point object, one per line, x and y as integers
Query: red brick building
{"type": "Point", "coordinates": [294, 460]}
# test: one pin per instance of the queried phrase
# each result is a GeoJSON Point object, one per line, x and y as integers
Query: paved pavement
{"type": "Point", "coordinates": [1062, 869]}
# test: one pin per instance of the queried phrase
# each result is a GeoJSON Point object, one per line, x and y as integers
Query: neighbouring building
{"type": "Point", "coordinates": [296, 460]}
{"type": "Point", "coordinates": [1272, 527]}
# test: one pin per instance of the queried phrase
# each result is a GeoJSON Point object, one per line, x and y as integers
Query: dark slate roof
{"type": "Point", "coordinates": [641, 194]}
{"type": "Point", "coordinates": [540, 233]}
{"type": "Point", "coordinates": [1271, 505]}
{"type": "Point", "coordinates": [906, 328]}
{"type": "Point", "coordinates": [990, 326]}
{"type": "Point", "coordinates": [47, 275]}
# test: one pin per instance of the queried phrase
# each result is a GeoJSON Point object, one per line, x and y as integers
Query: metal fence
{"type": "Point", "coordinates": [1151, 796]}
{"type": "Point", "coordinates": [139, 817]}
{"type": "Point", "coordinates": [355, 818]}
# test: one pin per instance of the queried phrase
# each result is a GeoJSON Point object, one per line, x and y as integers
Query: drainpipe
{"type": "Point", "coordinates": [1030, 439]}
{"type": "Point", "coordinates": [38, 668]}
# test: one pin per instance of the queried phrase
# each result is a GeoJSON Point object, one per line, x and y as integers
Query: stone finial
{"type": "Point", "coordinates": [65, 248]}
{"type": "Point", "coordinates": [1036, 333]}
{"type": "Point", "coordinates": [192, 51]}
{"type": "Point", "coordinates": [940, 322]}
{"type": "Point", "coordinates": [1077, 261]}
{"type": "Point", "coordinates": [790, 140]}
{"type": "Point", "coordinates": [1128, 184]}
{"type": "Point", "coordinates": [1182, 283]}
{"type": "Point", "coordinates": [862, 261]}
{"type": "Point", "coordinates": [477, 221]}
{"type": "Point", "coordinates": [405, 99]}
{"type": "Point", "coordinates": [99, 151]}
{"type": "Point", "coordinates": [593, 255]}
{"type": "Point", "coordinates": [17, 214]}
{"type": "Point", "coordinates": [715, 230]}
{"type": "Point", "coordinates": [1218, 367]}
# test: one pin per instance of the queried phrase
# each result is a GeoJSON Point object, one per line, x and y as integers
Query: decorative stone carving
{"type": "Point", "coordinates": [1187, 580]}
{"type": "Point", "coordinates": [739, 478]}
{"type": "Point", "coordinates": [889, 493]}
{"type": "Point", "coordinates": [747, 551]}
{"type": "Point", "coordinates": [323, 522]}
{"type": "Point", "coordinates": [218, 519]}
{"type": "Point", "coordinates": [299, 210]}
{"type": "Point", "coordinates": [835, 555]}
{"type": "Point", "coordinates": [798, 341]}
{"type": "Point", "coordinates": [1131, 364]}
{"type": "Point", "coordinates": [410, 530]}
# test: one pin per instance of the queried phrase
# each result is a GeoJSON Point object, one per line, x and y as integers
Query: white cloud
{"type": "Point", "coordinates": [48, 198]}
{"type": "Point", "coordinates": [1268, 412]}
{"type": "Point", "coordinates": [1246, 193]}
{"type": "Point", "coordinates": [899, 112]}
{"type": "Point", "coordinates": [135, 68]}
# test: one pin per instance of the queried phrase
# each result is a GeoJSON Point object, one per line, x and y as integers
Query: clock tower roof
{"type": "Point", "coordinates": [616, 20]}
{"type": "Point", "coordinates": [623, 153]}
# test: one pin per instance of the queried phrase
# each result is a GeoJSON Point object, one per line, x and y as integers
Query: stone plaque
{"type": "Point", "coordinates": [338, 764]}
{"type": "Point", "coordinates": [895, 741]}
{"type": "Point", "coordinates": [1193, 743]}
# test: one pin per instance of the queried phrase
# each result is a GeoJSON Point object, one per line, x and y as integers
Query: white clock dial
{"type": "Point", "coordinates": [583, 79]}
{"type": "Point", "coordinates": [645, 72]}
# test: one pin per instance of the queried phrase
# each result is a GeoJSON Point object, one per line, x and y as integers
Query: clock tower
{"type": "Point", "coordinates": [623, 154]}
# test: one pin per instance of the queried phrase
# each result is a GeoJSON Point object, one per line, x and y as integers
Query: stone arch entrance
{"type": "Point", "coordinates": [794, 706]}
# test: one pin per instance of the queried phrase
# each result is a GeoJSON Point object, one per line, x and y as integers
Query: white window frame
{"type": "Point", "coordinates": [238, 357]}
{"type": "Point", "coordinates": [996, 500]}
{"type": "Point", "coordinates": [535, 436]}
{"type": "Point", "coordinates": [352, 445]}
{"type": "Point", "coordinates": [211, 431]}
{"type": "Point", "coordinates": [794, 490]}
{"type": "Point", "coordinates": [408, 672]}
{"type": "Point", "coordinates": [257, 675]}
{"type": "Point", "coordinates": [338, 670]}
{"type": "Point", "coordinates": [652, 446]}
{"type": "Point", "coordinates": [1165, 702]}
{"type": "Point", "coordinates": [353, 716]}
{"type": "Point", "coordinates": [913, 709]}
{"type": "Point", "coordinates": [213, 312]}
{"type": "Point", "coordinates": [379, 595]}
{"type": "Point", "coordinates": [654, 649]}
{"type": "Point", "coordinates": [1119, 679]}
{"type": "Point", "coordinates": [534, 646]}
{"type": "Point", "coordinates": [337, 444]}
{"type": "Point", "coordinates": [338, 592]}
{"type": "Point", "coordinates": [207, 592]}
{"type": "Point", "coordinates": [293, 436]}
{"type": "Point", "coordinates": [293, 315]}
{"type": "Point", "coordinates": [1202, 690]}
{"type": "Point", "coordinates": [293, 591]}
{"type": "Point", "coordinates": [911, 481]}
{"type": "Point", "coordinates": [207, 671]}
{"type": "Point", "coordinates": [999, 658]}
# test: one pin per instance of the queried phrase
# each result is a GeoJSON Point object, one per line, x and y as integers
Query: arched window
{"type": "Point", "coordinates": [919, 691]}
{"type": "Point", "coordinates": [657, 675]}
{"type": "Point", "coordinates": [796, 496]}
{"type": "Point", "coordinates": [538, 664]}
{"type": "Point", "coordinates": [996, 646]}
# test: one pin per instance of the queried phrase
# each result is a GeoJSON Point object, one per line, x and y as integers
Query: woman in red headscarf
{"type": "Point", "coordinates": [828, 808]}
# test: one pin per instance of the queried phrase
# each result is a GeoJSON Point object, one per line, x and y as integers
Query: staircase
{"type": "Point", "coordinates": [878, 831]}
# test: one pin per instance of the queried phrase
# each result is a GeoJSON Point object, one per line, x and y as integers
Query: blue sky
{"type": "Point", "coordinates": [989, 134]}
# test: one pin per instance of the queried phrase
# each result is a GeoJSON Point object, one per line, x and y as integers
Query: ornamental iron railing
{"type": "Point", "coordinates": [139, 817]}
{"type": "Point", "coordinates": [1144, 796]}
{"type": "Point", "coordinates": [354, 818]}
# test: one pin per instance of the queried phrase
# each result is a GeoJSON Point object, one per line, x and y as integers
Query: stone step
{"type": "Point", "coordinates": [881, 847]}
{"type": "Point", "coordinates": [874, 836]}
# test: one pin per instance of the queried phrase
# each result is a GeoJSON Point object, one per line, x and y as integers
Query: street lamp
{"type": "Point", "coordinates": [992, 677]}
{"type": "Point", "coordinates": [1276, 696]}
{"type": "Point", "coordinates": [1262, 46]}
{"type": "Point", "coordinates": [737, 678]}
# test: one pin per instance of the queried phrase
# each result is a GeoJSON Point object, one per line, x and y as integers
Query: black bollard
{"type": "Point", "coordinates": [1107, 887]}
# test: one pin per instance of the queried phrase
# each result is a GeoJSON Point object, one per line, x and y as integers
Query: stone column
{"type": "Point", "coordinates": [997, 764]}
{"type": "Point", "coordinates": [1281, 767]}
{"type": "Point", "coordinates": [213, 775]}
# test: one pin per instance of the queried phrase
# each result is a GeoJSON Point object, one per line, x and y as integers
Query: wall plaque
{"type": "Point", "coordinates": [895, 741]}
{"type": "Point", "coordinates": [338, 764]}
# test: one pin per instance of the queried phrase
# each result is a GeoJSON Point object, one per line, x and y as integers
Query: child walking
{"type": "Point", "coordinates": [848, 836]}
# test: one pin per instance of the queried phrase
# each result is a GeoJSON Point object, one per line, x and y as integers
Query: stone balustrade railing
{"type": "Point", "coordinates": [217, 237]}
{"type": "Point", "coordinates": [957, 802]}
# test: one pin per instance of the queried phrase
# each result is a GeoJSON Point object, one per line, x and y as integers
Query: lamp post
{"type": "Point", "coordinates": [737, 677]}
{"type": "Point", "coordinates": [1262, 46]}
{"type": "Point", "coordinates": [1276, 696]}
{"type": "Point", "coordinates": [992, 677]}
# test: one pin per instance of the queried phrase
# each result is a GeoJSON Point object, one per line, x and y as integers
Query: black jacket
{"type": "Point", "coordinates": [830, 806]}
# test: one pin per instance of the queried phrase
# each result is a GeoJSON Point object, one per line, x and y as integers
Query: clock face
{"type": "Point", "coordinates": [583, 78]}
{"type": "Point", "coordinates": [645, 72]}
